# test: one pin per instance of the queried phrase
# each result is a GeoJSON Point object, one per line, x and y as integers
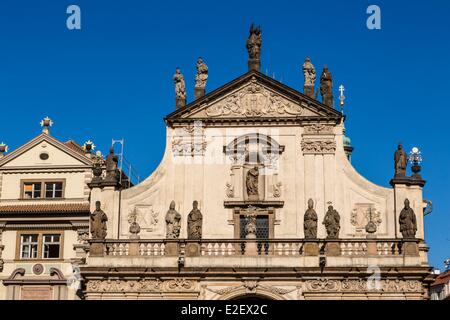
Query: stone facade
{"type": "Point", "coordinates": [296, 145]}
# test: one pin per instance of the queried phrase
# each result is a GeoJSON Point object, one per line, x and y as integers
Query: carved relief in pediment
{"type": "Point", "coordinates": [254, 101]}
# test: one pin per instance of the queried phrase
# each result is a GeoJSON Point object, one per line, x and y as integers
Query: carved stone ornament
{"type": "Point", "coordinates": [229, 190]}
{"type": "Point", "coordinates": [310, 146]}
{"type": "Point", "coordinates": [189, 141]}
{"type": "Point", "coordinates": [363, 285]}
{"type": "Point", "coordinates": [134, 229]}
{"type": "Point", "coordinates": [146, 217]}
{"type": "Point", "coordinates": [254, 101]}
{"type": "Point", "coordinates": [361, 213]}
{"type": "Point", "coordinates": [251, 286]}
{"type": "Point", "coordinates": [180, 284]}
{"type": "Point", "coordinates": [277, 190]}
{"type": "Point", "coordinates": [82, 235]}
{"type": "Point", "coordinates": [318, 128]}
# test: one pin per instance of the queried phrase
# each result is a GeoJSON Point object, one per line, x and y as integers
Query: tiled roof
{"type": "Point", "coordinates": [46, 208]}
{"type": "Point", "coordinates": [75, 147]}
{"type": "Point", "coordinates": [442, 279]}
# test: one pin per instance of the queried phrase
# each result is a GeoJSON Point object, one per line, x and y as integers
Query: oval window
{"type": "Point", "coordinates": [43, 156]}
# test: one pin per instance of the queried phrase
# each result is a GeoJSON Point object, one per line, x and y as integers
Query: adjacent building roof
{"type": "Point", "coordinates": [79, 207]}
{"type": "Point", "coordinates": [443, 278]}
{"type": "Point", "coordinates": [70, 147]}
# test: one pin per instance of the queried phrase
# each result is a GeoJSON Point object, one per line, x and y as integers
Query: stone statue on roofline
{"type": "Point", "coordinates": [310, 221]}
{"type": "Point", "coordinates": [180, 89]}
{"type": "Point", "coordinates": [400, 161]}
{"type": "Point", "coordinates": [195, 219]}
{"type": "Point", "coordinates": [408, 222]}
{"type": "Point", "coordinates": [326, 87]}
{"type": "Point", "coordinates": [254, 42]}
{"type": "Point", "coordinates": [173, 222]}
{"type": "Point", "coordinates": [332, 223]}
{"type": "Point", "coordinates": [98, 222]}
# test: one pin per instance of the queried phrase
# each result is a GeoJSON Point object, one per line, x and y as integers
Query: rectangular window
{"type": "Point", "coordinates": [43, 189]}
{"type": "Point", "coordinates": [51, 246]}
{"type": "Point", "coordinates": [53, 189]}
{"type": "Point", "coordinates": [39, 246]}
{"type": "Point", "coordinates": [29, 246]}
{"type": "Point", "coordinates": [262, 232]}
{"type": "Point", "coordinates": [32, 190]}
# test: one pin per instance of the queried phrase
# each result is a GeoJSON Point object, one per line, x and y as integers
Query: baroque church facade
{"type": "Point", "coordinates": [255, 196]}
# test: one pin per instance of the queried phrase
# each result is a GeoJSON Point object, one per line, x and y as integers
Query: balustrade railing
{"type": "Point", "coordinates": [239, 247]}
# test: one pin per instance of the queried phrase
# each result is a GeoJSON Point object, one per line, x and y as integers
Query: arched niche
{"type": "Point", "coordinates": [250, 151]}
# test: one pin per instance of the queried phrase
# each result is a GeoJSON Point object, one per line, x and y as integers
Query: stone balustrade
{"type": "Point", "coordinates": [241, 247]}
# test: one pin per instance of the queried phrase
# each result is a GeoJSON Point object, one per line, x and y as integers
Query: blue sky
{"type": "Point", "coordinates": [113, 78]}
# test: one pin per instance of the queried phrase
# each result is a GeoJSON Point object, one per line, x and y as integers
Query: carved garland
{"type": "Point", "coordinates": [318, 146]}
{"type": "Point", "coordinates": [251, 287]}
{"type": "Point", "coordinates": [363, 285]}
{"type": "Point", "coordinates": [318, 128]}
{"type": "Point", "coordinates": [178, 285]}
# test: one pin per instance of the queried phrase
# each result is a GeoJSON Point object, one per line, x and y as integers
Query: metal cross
{"type": "Point", "coordinates": [341, 97]}
{"type": "Point", "coordinates": [341, 90]}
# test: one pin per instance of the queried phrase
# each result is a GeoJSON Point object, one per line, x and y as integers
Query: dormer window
{"type": "Point", "coordinates": [48, 189]}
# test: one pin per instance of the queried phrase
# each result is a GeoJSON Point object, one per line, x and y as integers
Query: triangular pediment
{"type": "Point", "coordinates": [59, 155]}
{"type": "Point", "coordinates": [254, 96]}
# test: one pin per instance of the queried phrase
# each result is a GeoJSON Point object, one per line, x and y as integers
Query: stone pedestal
{"type": "Point", "coordinates": [371, 248]}
{"type": "Point", "coordinates": [327, 99]}
{"type": "Point", "coordinates": [254, 64]}
{"type": "Point", "coordinates": [311, 249]}
{"type": "Point", "coordinates": [309, 91]}
{"type": "Point", "coordinates": [180, 102]}
{"type": "Point", "coordinates": [199, 92]}
{"type": "Point", "coordinates": [333, 249]}
{"type": "Point", "coordinates": [192, 249]}
{"type": "Point", "coordinates": [96, 249]}
{"type": "Point", "coordinates": [410, 248]}
{"type": "Point", "coordinates": [251, 248]}
{"type": "Point", "coordinates": [133, 249]}
{"type": "Point", "coordinates": [171, 249]}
